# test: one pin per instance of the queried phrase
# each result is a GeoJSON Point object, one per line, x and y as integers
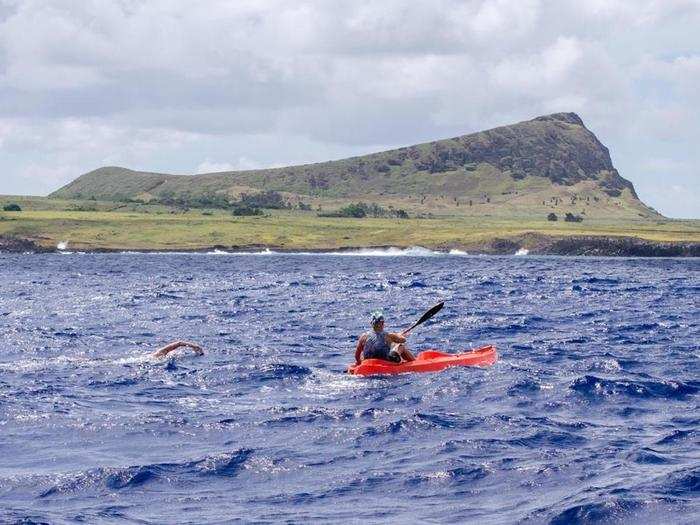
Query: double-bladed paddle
{"type": "Point", "coordinates": [427, 315]}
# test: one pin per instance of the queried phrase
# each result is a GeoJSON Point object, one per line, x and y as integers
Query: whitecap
{"type": "Point", "coordinates": [390, 251]}
{"type": "Point", "coordinates": [413, 251]}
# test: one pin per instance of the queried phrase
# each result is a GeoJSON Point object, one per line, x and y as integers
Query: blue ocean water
{"type": "Point", "coordinates": [590, 415]}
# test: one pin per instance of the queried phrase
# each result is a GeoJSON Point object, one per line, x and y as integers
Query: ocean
{"type": "Point", "coordinates": [589, 416]}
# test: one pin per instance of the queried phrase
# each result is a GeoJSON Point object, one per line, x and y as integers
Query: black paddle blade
{"type": "Point", "coordinates": [427, 315]}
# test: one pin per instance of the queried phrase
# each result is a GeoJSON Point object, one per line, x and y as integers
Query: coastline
{"type": "Point", "coordinates": [530, 243]}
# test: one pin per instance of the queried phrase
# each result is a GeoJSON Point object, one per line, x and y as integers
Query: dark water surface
{"type": "Point", "coordinates": [591, 414]}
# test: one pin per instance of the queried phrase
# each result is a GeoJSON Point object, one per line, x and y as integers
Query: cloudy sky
{"type": "Point", "coordinates": [211, 85]}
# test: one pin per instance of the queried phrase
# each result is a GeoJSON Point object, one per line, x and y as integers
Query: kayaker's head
{"type": "Point", "coordinates": [378, 320]}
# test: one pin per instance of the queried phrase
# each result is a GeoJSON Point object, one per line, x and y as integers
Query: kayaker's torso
{"type": "Point", "coordinates": [376, 345]}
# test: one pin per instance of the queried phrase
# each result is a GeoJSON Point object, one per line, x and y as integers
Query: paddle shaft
{"type": "Point", "coordinates": [427, 315]}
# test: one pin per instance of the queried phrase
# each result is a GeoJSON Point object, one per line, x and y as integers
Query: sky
{"type": "Point", "coordinates": [208, 85]}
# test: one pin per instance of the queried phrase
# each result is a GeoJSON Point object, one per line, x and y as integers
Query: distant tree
{"type": "Point", "coordinates": [358, 210]}
{"type": "Point", "coordinates": [209, 200]}
{"type": "Point", "coordinates": [242, 210]}
{"type": "Point", "coordinates": [570, 217]}
{"type": "Point", "coordinates": [12, 207]}
{"type": "Point", "coordinates": [304, 207]}
{"type": "Point", "coordinates": [552, 217]}
{"type": "Point", "coordinates": [361, 210]}
{"type": "Point", "coordinates": [267, 199]}
{"type": "Point", "coordinates": [167, 197]}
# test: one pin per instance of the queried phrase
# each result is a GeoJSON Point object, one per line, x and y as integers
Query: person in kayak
{"type": "Point", "coordinates": [377, 344]}
{"type": "Point", "coordinates": [162, 352]}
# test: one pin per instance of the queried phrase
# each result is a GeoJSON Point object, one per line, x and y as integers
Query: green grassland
{"type": "Point", "coordinates": [102, 225]}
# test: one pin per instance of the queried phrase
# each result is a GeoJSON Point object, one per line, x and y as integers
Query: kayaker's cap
{"type": "Point", "coordinates": [377, 316]}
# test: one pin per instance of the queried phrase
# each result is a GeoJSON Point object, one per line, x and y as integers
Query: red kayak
{"type": "Point", "coordinates": [427, 361]}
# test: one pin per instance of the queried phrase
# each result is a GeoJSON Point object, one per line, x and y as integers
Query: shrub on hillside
{"type": "Point", "coordinates": [12, 207]}
{"type": "Point", "coordinates": [360, 210]}
{"type": "Point", "coordinates": [209, 200]}
{"type": "Point", "coordinates": [357, 211]}
{"type": "Point", "coordinates": [552, 217]}
{"type": "Point", "coordinates": [570, 217]}
{"type": "Point", "coordinates": [242, 210]}
{"type": "Point", "coordinates": [267, 199]}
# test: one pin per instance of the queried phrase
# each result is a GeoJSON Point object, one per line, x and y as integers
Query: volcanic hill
{"type": "Point", "coordinates": [550, 163]}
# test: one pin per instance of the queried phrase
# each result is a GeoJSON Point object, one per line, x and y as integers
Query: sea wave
{"type": "Point", "coordinates": [390, 251]}
{"type": "Point", "coordinates": [594, 386]}
{"type": "Point", "coordinates": [226, 464]}
{"type": "Point", "coordinates": [590, 415]}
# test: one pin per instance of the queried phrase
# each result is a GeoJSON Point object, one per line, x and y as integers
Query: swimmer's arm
{"type": "Point", "coordinates": [358, 350]}
{"type": "Point", "coordinates": [162, 352]}
{"type": "Point", "coordinates": [396, 338]}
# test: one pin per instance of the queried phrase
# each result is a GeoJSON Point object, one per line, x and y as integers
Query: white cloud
{"type": "Point", "coordinates": [161, 85]}
{"type": "Point", "coordinates": [42, 178]}
{"type": "Point", "coordinates": [242, 163]}
{"type": "Point", "coordinates": [207, 166]}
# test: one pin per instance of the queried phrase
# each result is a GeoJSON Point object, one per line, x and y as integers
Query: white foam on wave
{"type": "Point", "coordinates": [391, 251]}
{"type": "Point", "coordinates": [62, 246]}
{"type": "Point", "coordinates": [522, 251]}
{"type": "Point", "coordinates": [134, 359]}
{"type": "Point", "coordinates": [325, 384]}
{"type": "Point", "coordinates": [413, 251]}
{"type": "Point", "coordinates": [266, 251]}
{"type": "Point", "coordinates": [34, 364]}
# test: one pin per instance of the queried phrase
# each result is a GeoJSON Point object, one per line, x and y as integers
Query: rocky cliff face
{"type": "Point", "coordinates": [558, 147]}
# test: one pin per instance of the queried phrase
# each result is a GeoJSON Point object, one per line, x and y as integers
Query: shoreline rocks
{"type": "Point", "coordinates": [20, 245]}
{"type": "Point", "coordinates": [533, 243]}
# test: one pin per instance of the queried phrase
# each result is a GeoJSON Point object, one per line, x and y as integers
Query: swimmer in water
{"type": "Point", "coordinates": [162, 352]}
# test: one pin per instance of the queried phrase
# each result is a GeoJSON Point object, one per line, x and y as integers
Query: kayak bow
{"type": "Point", "coordinates": [427, 361]}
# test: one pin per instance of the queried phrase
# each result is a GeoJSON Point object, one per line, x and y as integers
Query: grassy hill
{"type": "Point", "coordinates": [549, 164]}
{"type": "Point", "coordinates": [487, 192]}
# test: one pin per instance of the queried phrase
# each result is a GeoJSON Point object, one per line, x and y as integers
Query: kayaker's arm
{"type": "Point", "coordinates": [162, 352]}
{"type": "Point", "coordinates": [397, 338]}
{"type": "Point", "coordinates": [358, 350]}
